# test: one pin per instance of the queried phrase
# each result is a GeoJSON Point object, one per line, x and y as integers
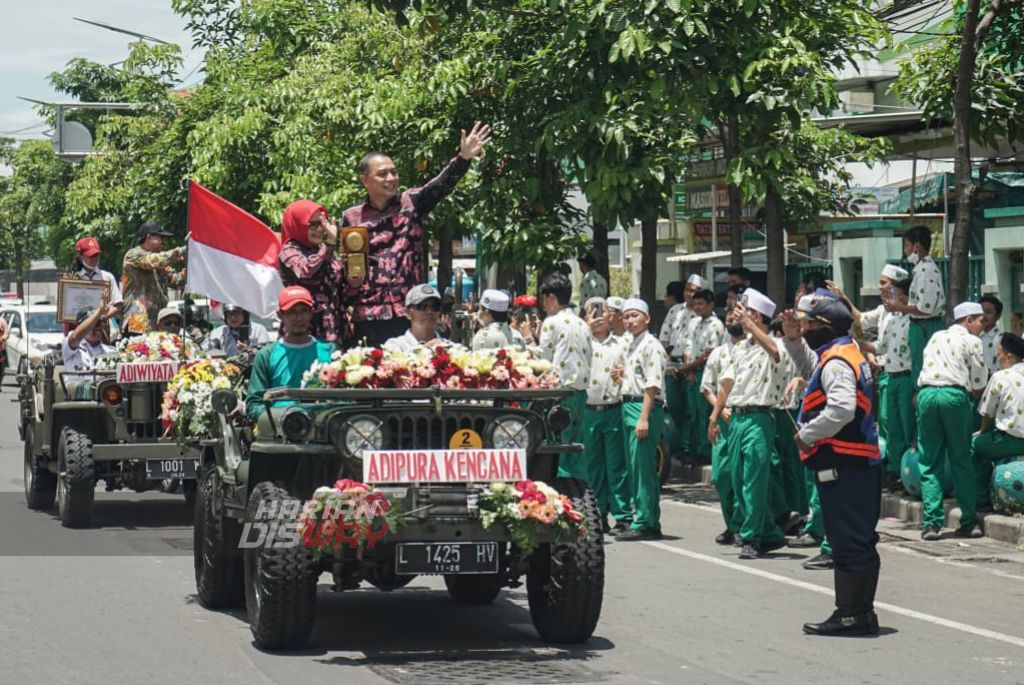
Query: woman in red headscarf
{"type": "Point", "coordinates": [307, 258]}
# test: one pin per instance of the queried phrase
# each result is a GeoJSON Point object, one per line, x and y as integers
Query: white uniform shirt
{"type": "Point", "coordinates": [225, 339]}
{"type": "Point", "coordinates": [926, 291]}
{"type": "Point", "coordinates": [871, 322]}
{"type": "Point", "coordinates": [893, 347]}
{"type": "Point", "coordinates": [789, 372]}
{"type": "Point", "coordinates": [644, 367]}
{"type": "Point", "coordinates": [1003, 401]}
{"type": "Point", "coordinates": [408, 343]}
{"type": "Point", "coordinates": [673, 327]}
{"type": "Point", "coordinates": [757, 378]}
{"type": "Point", "coordinates": [606, 354]}
{"type": "Point", "coordinates": [704, 334]}
{"type": "Point", "coordinates": [592, 285]}
{"type": "Point", "coordinates": [954, 357]}
{"type": "Point", "coordinates": [101, 275]}
{"type": "Point", "coordinates": [496, 335]}
{"type": "Point", "coordinates": [990, 346]}
{"type": "Point", "coordinates": [83, 357]}
{"type": "Point", "coordinates": [713, 368]}
{"type": "Point", "coordinates": [565, 342]}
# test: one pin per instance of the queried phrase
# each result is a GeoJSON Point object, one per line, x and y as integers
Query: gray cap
{"type": "Point", "coordinates": [421, 293]}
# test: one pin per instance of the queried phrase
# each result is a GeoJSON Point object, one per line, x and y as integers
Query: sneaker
{"type": "Point", "coordinates": [726, 537]}
{"type": "Point", "coordinates": [971, 530]}
{"type": "Point", "coordinates": [619, 528]}
{"type": "Point", "coordinates": [805, 540]}
{"type": "Point", "coordinates": [822, 562]}
{"type": "Point", "coordinates": [636, 534]}
{"type": "Point", "coordinates": [748, 551]}
{"type": "Point", "coordinates": [931, 533]}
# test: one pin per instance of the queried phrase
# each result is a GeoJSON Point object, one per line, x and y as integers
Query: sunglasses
{"type": "Point", "coordinates": [429, 305]}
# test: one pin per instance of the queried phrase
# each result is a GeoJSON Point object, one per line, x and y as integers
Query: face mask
{"type": "Point", "coordinates": [913, 258]}
{"type": "Point", "coordinates": [734, 329]}
{"type": "Point", "coordinates": [819, 336]}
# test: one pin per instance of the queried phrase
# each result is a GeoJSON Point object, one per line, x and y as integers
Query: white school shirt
{"type": "Point", "coordinates": [990, 347]}
{"type": "Point", "coordinates": [954, 357]}
{"type": "Point", "coordinates": [1003, 401]}
{"type": "Point", "coordinates": [606, 354]}
{"type": "Point", "coordinates": [83, 357]}
{"type": "Point", "coordinates": [713, 368]}
{"type": "Point", "coordinates": [926, 290]}
{"type": "Point", "coordinates": [757, 378]}
{"type": "Point", "coordinates": [644, 367]}
{"type": "Point", "coordinates": [704, 334]}
{"type": "Point", "coordinates": [565, 342]}
{"type": "Point", "coordinates": [893, 347]}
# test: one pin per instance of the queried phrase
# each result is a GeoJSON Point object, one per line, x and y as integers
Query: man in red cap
{"type": "Point", "coordinates": [282, 364]}
{"type": "Point", "coordinates": [88, 269]}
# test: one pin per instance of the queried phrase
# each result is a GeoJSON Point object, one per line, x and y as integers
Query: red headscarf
{"type": "Point", "coordinates": [295, 224]}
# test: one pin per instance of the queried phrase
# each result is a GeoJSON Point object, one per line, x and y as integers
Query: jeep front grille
{"type": "Point", "coordinates": [427, 432]}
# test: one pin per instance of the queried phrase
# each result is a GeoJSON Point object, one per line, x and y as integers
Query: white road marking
{"type": "Point", "coordinates": [910, 613]}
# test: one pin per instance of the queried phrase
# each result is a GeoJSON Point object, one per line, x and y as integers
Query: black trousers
{"type": "Point", "coordinates": [376, 333]}
{"type": "Point", "coordinates": [850, 507]}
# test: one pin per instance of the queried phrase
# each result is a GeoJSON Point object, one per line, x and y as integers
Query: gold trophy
{"type": "Point", "coordinates": [355, 245]}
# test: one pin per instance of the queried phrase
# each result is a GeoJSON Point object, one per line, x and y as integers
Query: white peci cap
{"type": "Point", "coordinates": [495, 300]}
{"type": "Point", "coordinates": [637, 304]}
{"type": "Point", "coordinates": [758, 301]}
{"type": "Point", "coordinates": [615, 303]}
{"type": "Point", "coordinates": [895, 273]}
{"type": "Point", "coordinates": [699, 281]}
{"type": "Point", "coordinates": [965, 309]}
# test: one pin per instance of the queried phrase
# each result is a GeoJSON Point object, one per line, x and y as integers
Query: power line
{"type": "Point", "coordinates": [22, 130]}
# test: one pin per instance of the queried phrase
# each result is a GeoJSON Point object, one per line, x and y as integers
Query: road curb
{"type": "Point", "coordinates": [997, 526]}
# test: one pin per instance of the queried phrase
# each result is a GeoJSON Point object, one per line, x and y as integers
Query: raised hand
{"type": "Point", "coordinates": [790, 325]}
{"type": "Point", "coordinates": [472, 144]}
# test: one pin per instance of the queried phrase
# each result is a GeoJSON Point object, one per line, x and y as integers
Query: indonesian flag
{"type": "Point", "coordinates": [232, 255]}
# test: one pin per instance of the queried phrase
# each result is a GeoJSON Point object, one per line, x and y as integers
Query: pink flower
{"type": "Point", "coordinates": [500, 374]}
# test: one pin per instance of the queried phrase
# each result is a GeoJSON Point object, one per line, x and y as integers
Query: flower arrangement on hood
{"type": "Point", "coordinates": [526, 509]}
{"type": "Point", "coordinates": [348, 512]}
{"type": "Point", "coordinates": [156, 346]}
{"type": "Point", "coordinates": [443, 367]}
{"type": "Point", "coordinates": [186, 405]}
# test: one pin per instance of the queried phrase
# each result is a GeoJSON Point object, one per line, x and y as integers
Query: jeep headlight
{"type": "Point", "coordinates": [509, 432]}
{"type": "Point", "coordinates": [361, 433]}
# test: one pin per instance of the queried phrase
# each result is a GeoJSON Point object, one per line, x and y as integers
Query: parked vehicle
{"type": "Point", "coordinates": [35, 331]}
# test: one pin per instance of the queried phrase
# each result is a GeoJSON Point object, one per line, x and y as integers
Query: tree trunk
{"type": "Point", "coordinates": [735, 197]}
{"type": "Point", "coordinates": [965, 187]}
{"type": "Point", "coordinates": [19, 267]}
{"type": "Point", "coordinates": [776, 252]}
{"type": "Point", "coordinates": [649, 260]}
{"type": "Point", "coordinates": [601, 249]}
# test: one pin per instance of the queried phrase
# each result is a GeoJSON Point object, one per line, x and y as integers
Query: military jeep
{"type": "Point", "coordinates": [322, 435]}
{"type": "Point", "coordinates": [80, 427]}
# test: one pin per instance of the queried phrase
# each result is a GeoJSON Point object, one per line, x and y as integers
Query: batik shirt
{"type": "Point", "coordinates": [607, 353]}
{"type": "Point", "coordinates": [1003, 401]}
{"type": "Point", "coordinates": [702, 335]}
{"type": "Point", "coordinates": [892, 347]}
{"type": "Point", "coordinates": [926, 291]}
{"type": "Point", "coordinates": [990, 346]}
{"type": "Point", "coordinates": [954, 357]}
{"type": "Point", "coordinates": [565, 342]}
{"type": "Point", "coordinates": [644, 367]}
{"type": "Point", "coordinates": [496, 335]}
{"type": "Point", "coordinates": [145, 277]}
{"type": "Point", "coordinates": [398, 245]}
{"type": "Point", "coordinates": [319, 271]}
{"type": "Point", "coordinates": [757, 378]}
{"type": "Point", "coordinates": [675, 321]}
{"type": "Point", "coordinates": [592, 285]}
{"type": "Point", "coordinates": [713, 368]}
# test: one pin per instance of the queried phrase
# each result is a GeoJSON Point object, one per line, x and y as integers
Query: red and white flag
{"type": "Point", "coordinates": [232, 255]}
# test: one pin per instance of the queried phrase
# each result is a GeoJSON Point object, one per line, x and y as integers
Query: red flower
{"type": "Point", "coordinates": [346, 484]}
{"type": "Point", "coordinates": [378, 504]}
{"type": "Point", "coordinates": [502, 354]}
{"type": "Point", "coordinates": [534, 496]}
{"type": "Point", "coordinates": [376, 355]}
{"type": "Point", "coordinates": [525, 486]}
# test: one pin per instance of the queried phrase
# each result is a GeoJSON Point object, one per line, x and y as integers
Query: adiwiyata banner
{"type": "Point", "coordinates": [232, 255]}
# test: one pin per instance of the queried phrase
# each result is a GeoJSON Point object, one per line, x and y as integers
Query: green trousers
{"type": "Point", "coordinates": [750, 446]}
{"type": "Point", "coordinates": [944, 424]}
{"type": "Point", "coordinates": [788, 491]}
{"type": "Point", "coordinates": [721, 478]}
{"type": "Point", "coordinates": [642, 457]}
{"type": "Point", "coordinates": [921, 331]}
{"type": "Point", "coordinates": [574, 465]}
{"type": "Point", "coordinates": [881, 409]}
{"type": "Point", "coordinates": [987, 449]}
{"type": "Point", "coordinates": [698, 412]}
{"type": "Point", "coordinates": [678, 409]}
{"type": "Point", "coordinates": [606, 456]}
{"type": "Point", "coordinates": [815, 523]}
{"type": "Point", "coordinates": [899, 420]}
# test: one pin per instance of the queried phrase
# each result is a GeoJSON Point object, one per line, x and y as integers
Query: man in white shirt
{"type": "Point", "coordinates": [423, 309]}
{"type": "Point", "coordinates": [593, 284]}
{"type": "Point", "coordinates": [492, 316]}
{"type": "Point", "coordinates": [953, 370]}
{"type": "Point", "coordinates": [84, 344]}
{"type": "Point", "coordinates": [88, 252]}
{"type": "Point", "coordinates": [1002, 415]}
{"type": "Point", "coordinates": [704, 333]}
{"type": "Point", "coordinates": [238, 333]}
{"type": "Point", "coordinates": [990, 333]}
{"type": "Point", "coordinates": [927, 298]}
{"type": "Point", "coordinates": [643, 418]}
{"type": "Point", "coordinates": [613, 317]}
{"type": "Point", "coordinates": [677, 390]}
{"type": "Point", "coordinates": [565, 342]}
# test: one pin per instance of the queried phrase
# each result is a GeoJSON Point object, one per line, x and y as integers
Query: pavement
{"type": "Point", "coordinates": [116, 603]}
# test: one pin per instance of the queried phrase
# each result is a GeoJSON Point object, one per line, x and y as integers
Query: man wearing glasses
{"type": "Point", "coordinates": [423, 309]}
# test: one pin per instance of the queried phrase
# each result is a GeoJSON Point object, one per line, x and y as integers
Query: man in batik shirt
{"type": "Point", "coordinates": [146, 274]}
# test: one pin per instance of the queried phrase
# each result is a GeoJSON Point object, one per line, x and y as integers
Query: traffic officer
{"type": "Point", "coordinates": [954, 369]}
{"type": "Point", "coordinates": [839, 442]}
{"type": "Point", "coordinates": [642, 375]}
{"type": "Point", "coordinates": [753, 382]}
{"type": "Point", "coordinates": [1001, 408]}
{"type": "Point", "coordinates": [492, 316]}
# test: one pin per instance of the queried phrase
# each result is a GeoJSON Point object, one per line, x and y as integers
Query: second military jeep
{"type": "Point", "coordinates": [80, 427]}
{"type": "Point", "coordinates": [251, 474]}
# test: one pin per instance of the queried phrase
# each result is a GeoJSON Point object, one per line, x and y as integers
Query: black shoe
{"type": "Point", "coordinates": [749, 551]}
{"type": "Point", "coordinates": [726, 537]}
{"type": "Point", "coordinates": [619, 528]}
{"type": "Point", "coordinates": [635, 534]}
{"type": "Point", "coordinates": [822, 562]}
{"type": "Point", "coordinates": [971, 530]}
{"type": "Point", "coordinates": [805, 540]}
{"type": "Point", "coordinates": [931, 533]}
{"type": "Point", "coordinates": [605, 528]}
{"type": "Point", "coordinates": [865, 623]}
{"type": "Point", "coordinates": [772, 546]}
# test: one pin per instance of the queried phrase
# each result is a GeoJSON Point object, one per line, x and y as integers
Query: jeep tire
{"type": "Point", "coordinates": [40, 484]}
{"type": "Point", "coordinates": [76, 478]}
{"type": "Point", "coordinates": [280, 584]}
{"type": "Point", "coordinates": [474, 589]}
{"type": "Point", "coordinates": [565, 580]}
{"type": "Point", "coordinates": [215, 553]}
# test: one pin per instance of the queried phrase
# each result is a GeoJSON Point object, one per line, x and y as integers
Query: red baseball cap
{"type": "Point", "coordinates": [88, 247]}
{"type": "Point", "coordinates": [293, 295]}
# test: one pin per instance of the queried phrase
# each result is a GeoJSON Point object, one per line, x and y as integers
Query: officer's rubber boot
{"type": "Point", "coordinates": [853, 615]}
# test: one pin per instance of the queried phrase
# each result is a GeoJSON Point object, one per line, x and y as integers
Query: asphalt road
{"type": "Point", "coordinates": [116, 604]}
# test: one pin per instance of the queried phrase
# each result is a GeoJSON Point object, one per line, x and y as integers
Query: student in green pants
{"type": "Point", "coordinates": [927, 298]}
{"type": "Point", "coordinates": [677, 301]}
{"type": "Point", "coordinates": [705, 333]}
{"type": "Point", "coordinates": [953, 368]}
{"type": "Point", "coordinates": [1002, 415]}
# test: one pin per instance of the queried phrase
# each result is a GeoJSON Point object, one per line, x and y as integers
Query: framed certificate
{"type": "Point", "coordinates": [74, 296]}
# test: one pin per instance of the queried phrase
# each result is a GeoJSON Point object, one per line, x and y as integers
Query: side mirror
{"type": "Point", "coordinates": [224, 401]}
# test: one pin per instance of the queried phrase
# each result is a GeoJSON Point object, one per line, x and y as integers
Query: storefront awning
{"type": "Point", "coordinates": [697, 257]}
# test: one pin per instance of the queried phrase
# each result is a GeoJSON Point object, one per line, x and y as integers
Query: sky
{"type": "Point", "coordinates": [38, 37]}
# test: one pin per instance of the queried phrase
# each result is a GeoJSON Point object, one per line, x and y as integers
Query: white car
{"type": "Point", "coordinates": [35, 331]}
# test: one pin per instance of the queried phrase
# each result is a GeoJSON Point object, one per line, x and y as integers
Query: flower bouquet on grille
{"type": "Point", "coordinates": [527, 509]}
{"type": "Point", "coordinates": [347, 513]}
{"type": "Point", "coordinates": [187, 404]}
{"type": "Point", "coordinates": [151, 347]}
{"type": "Point", "coordinates": [443, 367]}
